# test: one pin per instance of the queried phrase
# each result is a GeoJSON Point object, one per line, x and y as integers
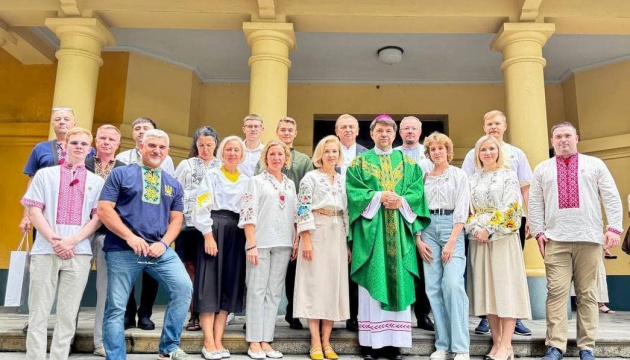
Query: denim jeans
{"type": "Point", "coordinates": [123, 268]}
{"type": "Point", "coordinates": [444, 284]}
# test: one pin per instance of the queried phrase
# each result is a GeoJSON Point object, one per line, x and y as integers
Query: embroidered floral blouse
{"type": "Point", "coordinates": [189, 173]}
{"type": "Point", "coordinates": [495, 203]}
{"type": "Point", "coordinates": [271, 206]}
{"type": "Point", "coordinates": [317, 192]}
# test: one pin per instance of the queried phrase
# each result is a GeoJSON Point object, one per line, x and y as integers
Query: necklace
{"type": "Point", "coordinates": [233, 177]}
{"type": "Point", "coordinates": [282, 198]}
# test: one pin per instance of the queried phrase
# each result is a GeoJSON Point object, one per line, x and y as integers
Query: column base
{"type": "Point", "coordinates": [538, 296]}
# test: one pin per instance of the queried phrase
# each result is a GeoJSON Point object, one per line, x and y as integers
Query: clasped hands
{"type": "Point", "coordinates": [391, 200]}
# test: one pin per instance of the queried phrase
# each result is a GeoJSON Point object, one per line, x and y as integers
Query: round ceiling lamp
{"type": "Point", "coordinates": [390, 54]}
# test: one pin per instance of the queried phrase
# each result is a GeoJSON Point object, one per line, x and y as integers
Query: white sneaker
{"type": "Point", "coordinates": [99, 351]}
{"type": "Point", "coordinates": [177, 354]}
{"type": "Point", "coordinates": [230, 319]}
{"type": "Point", "coordinates": [439, 355]}
{"type": "Point", "coordinates": [462, 356]}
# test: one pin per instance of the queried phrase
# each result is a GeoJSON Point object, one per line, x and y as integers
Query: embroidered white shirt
{"type": "Point", "coordinates": [595, 187]}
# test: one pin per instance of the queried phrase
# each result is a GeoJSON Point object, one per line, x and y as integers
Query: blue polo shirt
{"type": "Point", "coordinates": [147, 219]}
{"type": "Point", "coordinates": [42, 156]}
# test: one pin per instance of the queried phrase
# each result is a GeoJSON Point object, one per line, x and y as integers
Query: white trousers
{"type": "Point", "coordinates": [265, 282]}
{"type": "Point", "coordinates": [49, 272]}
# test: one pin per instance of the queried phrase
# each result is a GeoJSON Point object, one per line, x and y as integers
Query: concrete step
{"type": "Point", "coordinates": [613, 337]}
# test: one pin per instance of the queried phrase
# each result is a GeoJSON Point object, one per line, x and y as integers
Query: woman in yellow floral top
{"type": "Point", "coordinates": [497, 284]}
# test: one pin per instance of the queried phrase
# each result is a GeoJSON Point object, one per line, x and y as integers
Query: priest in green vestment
{"type": "Point", "coordinates": [386, 209]}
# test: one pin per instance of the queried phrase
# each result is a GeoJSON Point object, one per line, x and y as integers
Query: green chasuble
{"type": "Point", "coordinates": [384, 259]}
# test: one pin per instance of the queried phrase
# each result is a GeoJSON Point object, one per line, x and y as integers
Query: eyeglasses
{"type": "Point", "coordinates": [77, 143]}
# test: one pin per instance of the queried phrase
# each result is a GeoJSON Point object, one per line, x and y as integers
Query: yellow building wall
{"type": "Point", "coordinates": [166, 93]}
{"type": "Point", "coordinates": [25, 105]}
{"type": "Point", "coordinates": [597, 100]}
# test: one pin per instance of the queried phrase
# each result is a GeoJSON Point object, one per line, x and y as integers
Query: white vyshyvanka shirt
{"type": "Point", "coordinates": [132, 156]}
{"type": "Point", "coordinates": [449, 191]}
{"type": "Point", "coordinates": [564, 199]}
{"type": "Point", "coordinates": [216, 192]}
{"type": "Point", "coordinates": [190, 173]}
{"type": "Point", "coordinates": [67, 201]}
{"type": "Point", "coordinates": [316, 192]}
{"type": "Point", "coordinates": [248, 166]}
{"type": "Point", "coordinates": [272, 207]}
{"type": "Point", "coordinates": [349, 153]}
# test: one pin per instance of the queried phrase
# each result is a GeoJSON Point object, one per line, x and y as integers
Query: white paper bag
{"type": "Point", "coordinates": [18, 279]}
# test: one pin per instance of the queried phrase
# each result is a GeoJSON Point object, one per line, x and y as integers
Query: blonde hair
{"type": "Point", "coordinates": [494, 113]}
{"type": "Point", "coordinates": [79, 130]}
{"type": "Point", "coordinates": [319, 150]}
{"type": "Point", "coordinates": [226, 140]}
{"type": "Point", "coordinates": [265, 150]}
{"type": "Point", "coordinates": [500, 158]}
{"type": "Point", "coordinates": [440, 139]}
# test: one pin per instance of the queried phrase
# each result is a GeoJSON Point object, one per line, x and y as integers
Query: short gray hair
{"type": "Point", "coordinates": [156, 133]}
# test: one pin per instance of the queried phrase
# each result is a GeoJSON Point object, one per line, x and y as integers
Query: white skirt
{"type": "Point", "coordinates": [379, 328]}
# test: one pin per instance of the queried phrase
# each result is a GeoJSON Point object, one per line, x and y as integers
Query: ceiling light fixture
{"type": "Point", "coordinates": [390, 54]}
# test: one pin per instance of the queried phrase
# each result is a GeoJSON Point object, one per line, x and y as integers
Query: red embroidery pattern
{"type": "Point", "coordinates": [70, 199]}
{"type": "Point", "coordinates": [31, 202]}
{"type": "Point", "coordinates": [94, 211]}
{"type": "Point", "coordinates": [391, 325]}
{"type": "Point", "coordinates": [568, 183]}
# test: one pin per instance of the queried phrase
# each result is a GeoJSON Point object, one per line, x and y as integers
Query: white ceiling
{"type": "Point", "coordinates": [221, 55]}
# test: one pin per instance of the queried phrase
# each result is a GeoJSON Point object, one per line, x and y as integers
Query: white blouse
{"type": "Point", "coordinates": [216, 192]}
{"type": "Point", "coordinates": [271, 206]}
{"type": "Point", "coordinates": [495, 203]}
{"type": "Point", "coordinates": [190, 173]}
{"type": "Point", "coordinates": [316, 192]}
{"type": "Point", "coordinates": [449, 191]}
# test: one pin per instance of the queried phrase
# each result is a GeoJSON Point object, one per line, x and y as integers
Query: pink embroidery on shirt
{"type": "Point", "coordinates": [70, 199]}
{"type": "Point", "coordinates": [31, 202]}
{"type": "Point", "coordinates": [568, 182]}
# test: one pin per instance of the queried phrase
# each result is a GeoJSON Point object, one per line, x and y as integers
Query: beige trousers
{"type": "Point", "coordinates": [578, 261]}
{"type": "Point", "coordinates": [49, 273]}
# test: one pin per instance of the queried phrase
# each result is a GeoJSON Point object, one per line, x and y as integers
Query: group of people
{"type": "Point", "coordinates": [351, 234]}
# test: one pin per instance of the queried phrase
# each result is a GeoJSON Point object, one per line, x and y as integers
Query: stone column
{"type": "Point", "coordinates": [521, 45]}
{"type": "Point", "coordinates": [79, 60]}
{"type": "Point", "coordinates": [269, 62]}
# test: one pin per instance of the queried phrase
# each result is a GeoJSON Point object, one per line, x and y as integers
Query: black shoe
{"type": "Point", "coordinates": [368, 353]}
{"type": "Point", "coordinates": [394, 354]}
{"type": "Point", "coordinates": [145, 323]}
{"type": "Point", "coordinates": [129, 323]}
{"type": "Point", "coordinates": [352, 325]}
{"type": "Point", "coordinates": [368, 356]}
{"type": "Point", "coordinates": [294, 323]}
{"type": "Point", "coordinates": [425, 323]}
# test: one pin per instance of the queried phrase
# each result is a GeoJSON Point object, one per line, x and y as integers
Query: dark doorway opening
{"type": "Point", "coordinates": [324, 125]}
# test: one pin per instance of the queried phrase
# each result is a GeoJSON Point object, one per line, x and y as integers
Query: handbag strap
{"type": "Point", "coordinates": [24, 241]}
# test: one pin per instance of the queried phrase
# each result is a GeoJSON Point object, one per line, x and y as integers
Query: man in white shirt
{"type": "Point", "coordinates": [495, 125]}
{"type": "Point", "coordinates": [140, 126]}
{"type": "Point", "coordinates": [410, 131]}
{"type": "Point", "coordinates": [567, 194]}
{"type": "Point", "coordinates": [347, 130]}
{"type": "Point", "coordinates": [252, 128]}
